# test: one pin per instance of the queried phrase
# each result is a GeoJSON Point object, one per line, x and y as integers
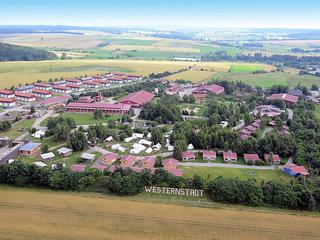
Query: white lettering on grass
{"type": "Point", "coordinates": [175, 191]}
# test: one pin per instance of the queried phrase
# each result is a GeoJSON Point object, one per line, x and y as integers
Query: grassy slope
{"type": "Point", "coordinates": [14, 131]}
{"type": "Point", "coordinates": [80, 216]}
{"type": "Point", "coordinates": [317, 111]}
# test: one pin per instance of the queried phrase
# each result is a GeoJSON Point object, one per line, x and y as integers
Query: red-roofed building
{"type": "Point", "coordinates": [100, 167]}
{"type": "Point", "coordinates": [54, 101]}
{"type": "Point", "coordinates": [251, 158]}
{"type": "Point", "coordinates": [7, 102]}
{"type": "Point", "coordinates": [61, 89]}
{"type": "Point", "coordinates": [103, 83]}
{"type": "Point", "coordinates": [107, 108]}
{"type": "Point", "coordinates": [42, 86]}
{"type": "Point", "coordinates": [137, 99]}
{"type": "Point", "coordinates": [91, 84]}
{"type": "Point", "coordinates": [275, 158]}
{"type": "Point", "coordinates": [230, 156]}
{"type": "Point", "coordinates": [75, 88]}
{"type": "Point", "coordinates": [116, 80]}
{"type": "Point", "coordinates": [6, 94]}
{"type": "Point", "coordinates": [209, 155]}
{"type": "Point", "coordinates": [148, 162]}
{"type": "Point", "coordinates": [128, 161]}
{"type": "Point", "coordinates": [78, 168]}
{"type": "Point", "coordinates": [134, 77]}
{"type": "Point", "coordinates": [288, 98]}
{"type": "Point", "coordinates": [295, 170]}
{"type": "Point", "coordinates": [110, 158]}
{"type": "Point", "coordinates": [112, 168]}
{"type": "Point", "coordinates": [74, 81]}
{"type": "Point", "coordinates": [42, 93]}
{"type": "Point", "coordinates": [25, 97]}
{"type": "Point", "coordinates": [118, 74]}
{"type": "Point", "coordinates": [170, 164]}
{"type": "Point", "coordinates": [209, 89]}
{"type": "Point", "coordinates": [188, 156]}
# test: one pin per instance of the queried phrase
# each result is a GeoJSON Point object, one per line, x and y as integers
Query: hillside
{"type": "Point", "coordinates": [10, 52]}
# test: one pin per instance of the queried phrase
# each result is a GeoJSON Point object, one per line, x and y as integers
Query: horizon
{"type": "Point", "coordinates": [200, 14]}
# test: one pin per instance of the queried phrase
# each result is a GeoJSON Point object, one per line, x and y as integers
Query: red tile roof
{"type": "Point", "coordinates": [149, 160]}
{"type": "Point", "coordinates": [78, 167]}
{"type": "Point", "coordinates": [215, 89]}
{"type": "Point", "coordinates": [137, 98]}
{"type": "Point", "coordinates": [60, 87]}
{"type": "Point", "coordinates": [170, 161]}
{"type": "Point", "coordinates": [129, 158]}
{"type": "Point", "coordinates": [7, 100]}
{"type": "Point", "coordinates": [231, 155]}
{"type": "Point", "coordinates": [251, 157]}
{"type": "Point", "coordinates": [40, 91]}
{"type": "Point", "coordinates": [118, 73]}
{"type": "Point", "coordinates": [209, 154]}
{"type": "Point", "coordinates": [6, 92]}
{"type": "Point", "coordinates": [24, 95]}
{"type": "Point", "coordinates": [100, 105]}
{"type": "Point", "coordinates": [40, 84]}
{"type": "Point", "coordinates": [284, 96]}
{"type": "Point", "coordinates": [275, 157]}
{"type": "Point", "coordinates": [176, 172]}
{"type": "Point", "coordinates": [73, 86]}
{"type": "Point", "coordinates": [91, 83]}
{"type": "Point", "coordinates": [188, 154]}
{"type": "Point", "coordinates": [109, 157]}
{"type": "Point", "coordinates": [297, 169]}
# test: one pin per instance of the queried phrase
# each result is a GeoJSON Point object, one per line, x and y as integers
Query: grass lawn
{"type": "Point", "coordinates": [317, 111]}
{"type": "Point", "coordinates": [212, 172]}
{"type": "Point", "coordinates": [17, 128]}
{"type": "Point", "coordinates": [85, 118]}
{"type": "Point", "coordinates": [244, 68]}
{"type": "Point", "coordinates": [201, 108]}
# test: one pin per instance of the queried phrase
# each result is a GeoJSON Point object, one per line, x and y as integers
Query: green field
{"type": "Point", "coordinates": [244, 68]}
{"type": "Point", "coordinates": [86, 118]}
{"type": "Point", "coordinates": [212, 172]}
{"type": "Point", "coordinates": [269, 79]}
{"type": "Point", "coordinates": [317, 111]}
{"type": "Point", "coordinates": [18, 128]}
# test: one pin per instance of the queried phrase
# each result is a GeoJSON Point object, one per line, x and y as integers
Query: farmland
{"type": "Point", "coordinates": [15, 73]}
{"type": "Point", "coordinates": [118, 218]}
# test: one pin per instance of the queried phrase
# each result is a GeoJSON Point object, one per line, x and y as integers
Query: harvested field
{"type": "Point", "coordinates": [63, 215]}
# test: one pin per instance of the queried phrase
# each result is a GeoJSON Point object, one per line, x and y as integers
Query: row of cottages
{"type": "Point", "coordinates": [40, 93]}
{"type": "Point", "coordinates": [250, 129]}
{"type": "Point", "coordinates": [137, 99]}
{"type": "Point", "coordinates": [107, 108]}
{"type": "Point", "coordinates": [7, 102]}
{"type": "Point", "coordinates": [289, 99]}
{"type": "Point", "coordinates": [203, 91]}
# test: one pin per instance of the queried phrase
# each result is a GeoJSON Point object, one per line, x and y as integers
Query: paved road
{"type": "Point", "coordinates": [225, 165]}
{"type": "Point", "coordinates": [290, 114]}
{"type": "Point", "coordinates": [266, 130]}
{"type": "Point", "coordinates": [39, 120]}
{"type": "Point", "coordinates": [239, 126]}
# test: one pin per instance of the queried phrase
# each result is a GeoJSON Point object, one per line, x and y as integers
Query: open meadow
{"type": "Point", "coordinates": [43, 214]}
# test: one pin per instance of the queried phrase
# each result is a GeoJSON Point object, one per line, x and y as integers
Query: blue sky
{"type": "Point", "coordinates": [206, 13]}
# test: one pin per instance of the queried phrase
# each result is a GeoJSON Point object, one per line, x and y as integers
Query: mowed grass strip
{"type": "Point", "coordinates": [80, 216]}
{"type": "Point", "coordinates": [213, 172]}
{"type": "Point", "coordinates": [192, 75]}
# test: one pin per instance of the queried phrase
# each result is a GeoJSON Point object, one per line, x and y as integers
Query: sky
{"type": "Point", "coordinates": [179, 13]}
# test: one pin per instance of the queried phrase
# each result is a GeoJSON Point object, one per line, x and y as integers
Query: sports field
{"type": "Point", "coordinates": [40, 214]}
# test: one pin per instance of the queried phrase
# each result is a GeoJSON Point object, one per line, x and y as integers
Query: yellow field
{"type": "Point", "coordinates": [31, 214]}
{"type": "Point", "coordinates": [192, 75]}
{"type": "Point", "coordinates": [15, 73]}
{"type": "Point", "coordinates": [151, 48]}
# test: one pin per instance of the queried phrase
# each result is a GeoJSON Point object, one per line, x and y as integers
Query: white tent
{"type": "Point", "coordinates": [47, 156]}
{"type": "Point", "coordinates": [190, 146]}
{"type": "Point", "coordinates": [135, 151]}
{"type": "Point", "coordinates": [40, 164]}
{"type": "Point", "coordinates": [149, 135]}
{"type": "Point", "coordinates": [170, 148]}
{"type": "Point", "coordinates": [157, 147]}
{"type": "Point", "coordinates": [145, 142]}
{"type": "Point", "coordinates": [88, 156]}
{"type": "Point", "coordinates": [109, 139]}
{"type": "Point", "coordinates": [38, 134]}
{"type": "Point", "coordinates": [137, 135]}
{"type": "Point", "coordinates": [115, 146]}
{"type": "Point", "coordinates": [128, 139]}
{"type": "Point", "coordinates": [149, 150]}
{"type": "Point", "coordinates": [121, 149]}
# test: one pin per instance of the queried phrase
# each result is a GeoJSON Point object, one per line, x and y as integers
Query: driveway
{"type": "Point", "coordinates": [39, 120]}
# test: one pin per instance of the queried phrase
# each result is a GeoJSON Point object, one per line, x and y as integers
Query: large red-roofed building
{"type": "Point", "coordinates": [288, 98]}
{"type": "Point", "coordinates": [6, 94]}
{"type": "Point", "coordinates": [137, 99]}
{"type": "Point", "coordinates": [108, 108]}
